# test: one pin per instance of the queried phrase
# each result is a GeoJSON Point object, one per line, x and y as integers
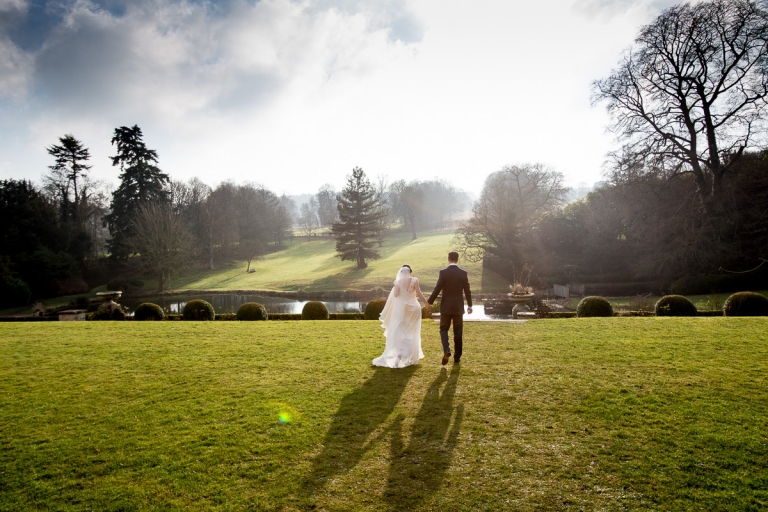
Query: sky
{"type": "Point", "coordinates": [293, 94]}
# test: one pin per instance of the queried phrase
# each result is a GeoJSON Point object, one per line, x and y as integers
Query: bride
{"type": "Point", "coordinates": [401, 320]}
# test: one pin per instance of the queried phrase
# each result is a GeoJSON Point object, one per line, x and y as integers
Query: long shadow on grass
{"type": "Point", "coordinates": [418, 470]}
{"type": "Point", "coordinates": [360, 413]}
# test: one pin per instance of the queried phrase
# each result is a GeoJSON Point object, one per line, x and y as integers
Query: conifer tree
{"type": "Point", "coordinates": [141, 182]}
{"type": "Point", "coordinates": [70, 170]}
{"type": "Point", "coordinates": [359, 227]}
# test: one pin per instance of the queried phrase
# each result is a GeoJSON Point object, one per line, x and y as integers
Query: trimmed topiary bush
{"type": "Point", "coordinates": [374, 308]}
{"type": "Point", "coordinates": [675, 305]}
{"type": "Point", "coordinates": [594, 306]}
{"type": "Point", "coordinates": [746, 304]}
{"type": "Point", "coordinates": [106, 314]}
{"type": "Point", "coordinates": [148, 311]}
{"type": "Point", "coordinates": [252, 311]}
{"type": "Point", "coordinates": [198, 309]}
{"type": "Point", "coordinates": [314, 310]}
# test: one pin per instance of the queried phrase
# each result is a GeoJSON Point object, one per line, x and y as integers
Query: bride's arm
{"type": "Point", "coordinates": [418, 292]}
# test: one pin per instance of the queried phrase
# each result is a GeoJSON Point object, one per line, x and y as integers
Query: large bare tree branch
{"type": "Point", "coordinates": [693, 89]}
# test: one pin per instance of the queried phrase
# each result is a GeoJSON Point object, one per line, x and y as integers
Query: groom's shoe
{"type": "Point", "coordinates": [446, 357]}
{"type": "Point", "coordinates": [456, 360]}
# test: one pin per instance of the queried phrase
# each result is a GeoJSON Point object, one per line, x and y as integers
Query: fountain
{"type": "Point", "coordinates": [108, 299]}
{"type": "Point", "coordinates": [519, 295]}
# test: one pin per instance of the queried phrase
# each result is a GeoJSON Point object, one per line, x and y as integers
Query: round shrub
{"type": "Point", "coordinates": [746, 304]}
{"type": "Point", "coordinates": [374, 308]}
{"type": "Point", "coordinates": [107, 314]}
{"type": "Point", "coordinates": [675, 305]}
{"type": "Point", "coordinates": [148, 311]}
{"type": "Point", "coordinates": [594, 306]}
{"type": "Point", "coordinates": [13, 292]}
{"type": "Point", "coordinates": [198, 309]}
{"type": "Point", "coordinates": [252, 311]}
{"type": "Point", "coordinates": [314, 310]}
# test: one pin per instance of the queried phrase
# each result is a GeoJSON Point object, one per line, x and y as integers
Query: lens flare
{"type": "Point", "coordinates": [285, 413]}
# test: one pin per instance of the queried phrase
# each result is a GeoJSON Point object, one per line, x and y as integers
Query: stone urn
{"type": "Point", "coordinates": [108, 300]}
{"type": "Point", "coordinates": [519, 300]}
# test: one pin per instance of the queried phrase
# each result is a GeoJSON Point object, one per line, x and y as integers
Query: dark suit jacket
{"type": "Point", "coordinates": [454, 284]}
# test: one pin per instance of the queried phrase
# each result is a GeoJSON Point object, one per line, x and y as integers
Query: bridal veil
{"type": "Point", "coordinates": [401, 320]}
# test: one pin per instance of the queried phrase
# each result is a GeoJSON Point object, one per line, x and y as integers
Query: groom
{"type": "Point", "coordinates": [454, 284]}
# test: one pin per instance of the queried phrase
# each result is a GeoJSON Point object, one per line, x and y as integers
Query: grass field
{"type": "Point", "coordinates": [313, 266]}
{"type": "Point", "coordinates": [582, 414]}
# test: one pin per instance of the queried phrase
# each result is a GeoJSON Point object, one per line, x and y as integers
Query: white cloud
{"type": "Point", "coordinates": [295, 93]}
{"type": "Point", "coordinates": [608, 9]}
{"type": "Point", "coordinates": [15, 65]}
{"type": "Point", "coordinates": [183, 58]}
{"type": "Point", "coordinates": [15, 70]}
{"type": "Point", "coordinates": [187, 71]}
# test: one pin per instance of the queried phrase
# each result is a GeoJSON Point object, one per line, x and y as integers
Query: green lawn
{"type": "Point", "coordinates": [581, 414]}
{"type": "Point", "coordinates": [313, 266]}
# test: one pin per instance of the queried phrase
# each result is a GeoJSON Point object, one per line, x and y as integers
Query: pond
{"type": "Point", "coordinates": [230, 302]}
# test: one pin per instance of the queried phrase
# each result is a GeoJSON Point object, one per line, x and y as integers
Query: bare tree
{"type": "Point", "coordinates": [422, 205]}
{"type": "Point", "coordinates": [191, 203]}
{"type": "Point", "coordinates": [410, 199]}
{"type": "Point", "coordinates": [283, 221]}
{"type": "Point", "coordinates": [510, 205]}
{"type": "Point", "coordinates": [382, 206]}
{"type": "Point", "coordinates": [308, 220]}
{"type": "Point", "coordinates": [251, 249]}
{"type": "Point", "coordinates": [690, 96]}
{"type": "Point", "coordinates": [219, 220]}
{"type": "Point", "coordinates": [441, 201]}
{"type": "Point", "coordinates": [161, 240]}
{"type": "Point", "coordinates": [326, 205]}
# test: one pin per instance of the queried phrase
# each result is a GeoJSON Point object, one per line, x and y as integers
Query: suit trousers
{"type": "Point", "coordinates": [458, 328]}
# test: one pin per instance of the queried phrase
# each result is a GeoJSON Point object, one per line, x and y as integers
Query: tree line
{"type": "Point", "coordinates": [70, 234]}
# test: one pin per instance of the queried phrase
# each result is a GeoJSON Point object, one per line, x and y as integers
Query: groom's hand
{"type": "Point", "coordinates": [429, 307]}
{"type": "Point", "coordinates": [469, 311]}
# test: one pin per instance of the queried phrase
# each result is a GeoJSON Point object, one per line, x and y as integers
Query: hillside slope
{"type": "Point", "coordinates": [313, 266]}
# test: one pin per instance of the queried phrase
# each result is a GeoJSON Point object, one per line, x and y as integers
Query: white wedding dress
{"type": "Point", "coordinates": [401, 320]}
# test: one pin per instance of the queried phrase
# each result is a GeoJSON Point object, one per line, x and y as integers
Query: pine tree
{"type": "Point", "coordinates": [70, 170]}
{"type": "Point", "coordinates": [141, 182]}
{"type": "Point", "coordinates": [359, 227]}
{"type": "Point", "coordinates": [69, 185]}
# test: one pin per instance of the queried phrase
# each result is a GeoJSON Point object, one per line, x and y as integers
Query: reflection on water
{"type": "Point", "coordinates": [230, 303]}
{"type": "Point", "coordinates": [478, 313]}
